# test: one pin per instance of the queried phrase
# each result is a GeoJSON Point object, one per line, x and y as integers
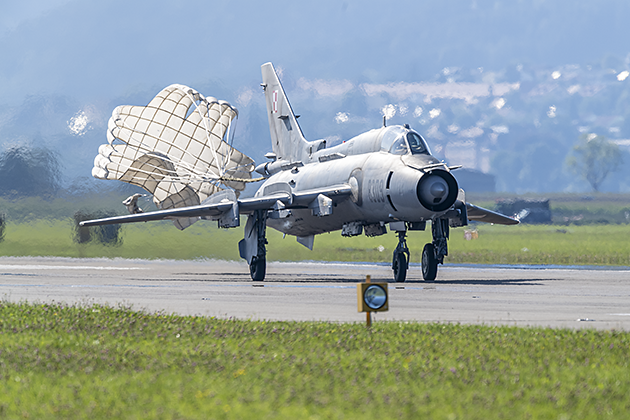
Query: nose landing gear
{"type": "Point", "coordinates": [400, 262]}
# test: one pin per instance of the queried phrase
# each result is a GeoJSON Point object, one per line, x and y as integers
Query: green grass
{"type": "Point", "coordinates": [522, 244]}
{"type": "Point", "coordinates": [582, 209]}
{"type": "Point", "coordinates": [98, 362]}
{"type": "Point", "coordinates": [544, 244]}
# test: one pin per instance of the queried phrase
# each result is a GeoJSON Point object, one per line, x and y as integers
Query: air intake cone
{"type": "Point", "coordinates": [437, 190]}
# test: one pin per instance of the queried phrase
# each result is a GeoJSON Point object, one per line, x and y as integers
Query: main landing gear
{"type": "Point", "coordinates": [253, 247]}
{"type": "Point", "coordinates": [258, 264]}
{"type": "Point", "coordinates": [432, 254]}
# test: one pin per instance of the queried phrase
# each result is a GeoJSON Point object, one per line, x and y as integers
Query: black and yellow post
{"type": "Point", "coordinates": [372, 297]}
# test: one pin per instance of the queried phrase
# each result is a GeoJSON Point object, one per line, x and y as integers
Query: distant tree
{"type": "Point", "coordinates": [29, 171]}
{"type": "Point", "coordinates": [593, 158]}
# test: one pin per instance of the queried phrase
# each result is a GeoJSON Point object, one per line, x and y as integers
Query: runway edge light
{"type": "Point", "coordinates": [372, 297]}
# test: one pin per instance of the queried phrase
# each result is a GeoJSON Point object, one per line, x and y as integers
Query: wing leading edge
{"type": "Point", "coordinates": [215, 210]}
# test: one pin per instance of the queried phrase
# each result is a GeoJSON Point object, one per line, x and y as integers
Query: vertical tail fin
{"type": "Point", "coordinates": [287, 139]}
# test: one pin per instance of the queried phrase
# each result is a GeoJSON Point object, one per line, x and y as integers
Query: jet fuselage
{"type": "Point", "coordinates": [389, 183]}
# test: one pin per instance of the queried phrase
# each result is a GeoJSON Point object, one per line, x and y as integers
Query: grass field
{"type": "Point", "coordinates": [99, 362]}
{"type": "Point", "coordinates": [522, 244]}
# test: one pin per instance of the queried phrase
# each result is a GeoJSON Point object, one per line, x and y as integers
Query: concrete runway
{"type": "Point", "coordinates": [556, 297]}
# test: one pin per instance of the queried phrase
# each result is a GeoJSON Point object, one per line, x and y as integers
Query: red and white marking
{"type": "Point", "coordinates": [275, 101]}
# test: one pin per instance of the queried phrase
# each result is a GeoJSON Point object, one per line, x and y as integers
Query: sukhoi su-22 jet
{"type": "Point", "coordinates": [179, 149]}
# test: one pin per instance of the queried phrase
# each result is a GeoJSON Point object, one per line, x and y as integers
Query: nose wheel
{"type": "Point", "coordinates": [400, 261]}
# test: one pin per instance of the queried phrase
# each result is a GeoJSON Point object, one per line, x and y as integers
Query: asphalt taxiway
{"type": "Point", "coordinates": [523, 296]}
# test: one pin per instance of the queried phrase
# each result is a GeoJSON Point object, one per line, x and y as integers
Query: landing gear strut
{"type": "Point", "coordinates": [253, 247]}
{"type": "Point", "coordinates": [400, 261]}
{"type": "Point", "coordinates": [434, 253]}
{"type": "Point", "coordinates": [258, 265]}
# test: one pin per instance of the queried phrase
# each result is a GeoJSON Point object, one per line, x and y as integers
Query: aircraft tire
{"type": "Point", "coordinates": [258, 268]}
{"type": "Point", "coordinates": [400, 267]}
{"type": "Point", "coordinates": [429, 263]}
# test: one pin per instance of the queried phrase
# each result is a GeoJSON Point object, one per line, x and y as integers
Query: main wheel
{"type": "Point", "coordinates": [400, 267]}
{"type": "Point", "coordinates": [429, 263]}
{"type": "Point", "coordinates": [257, 268]}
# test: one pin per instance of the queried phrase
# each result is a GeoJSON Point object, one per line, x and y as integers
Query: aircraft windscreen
{"type": "Point", "coordinates": [399, 147]}
{"type": "Point", "coordinates": [399, 141]}
{"type": "Point", "coordinates": [392, 135]}
{"type": "Point", "coordinates": [417, 144]}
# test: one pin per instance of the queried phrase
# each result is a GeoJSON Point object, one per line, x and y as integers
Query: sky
{"type": "Point", "coordinates": [64, 63]}
{"type": "Point", "coordinates": [16, 12]}
{"type": "Point", "coordinates": [92, 50]}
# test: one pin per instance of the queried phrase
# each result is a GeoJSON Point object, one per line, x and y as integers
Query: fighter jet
{"type": "Point", "coordinates": [382, 179]}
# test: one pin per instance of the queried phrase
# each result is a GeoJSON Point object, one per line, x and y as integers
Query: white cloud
{"type": "Point", "coordinates": [623, 75]}
{"type": "Point", "coordinates": [245, 97]}
{"type": "Point", "coordinates": [389, 111]}
{"type": "Point", "coordinates": [453, 128]}
{"type": "Point", "coordinates": [500, 129]}
{"type": "Point", "coordinates": [434, 132]}
{"type": "Point", "coordinates": [498, 103]}
{"type": "Point", "coordinates": [342, 117]}
{"type": "Point", "coordinates": [469, 92]}
{"type": "Point", "coordinates": [78, 124]}
{"type": "Point", "coordinates": [326, 87]}
{"type": "Point", "coordinates": [471, 132]}
{"type": "Point", "coordinates": [462, 153]}
{"type": "Point", "coordinates": [500, 89]}
{"type": "Point", "coordinates": [573, 89]}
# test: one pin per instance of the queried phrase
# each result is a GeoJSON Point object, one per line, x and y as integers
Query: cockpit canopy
{"type": "Point", "coordinates": [399, 140]}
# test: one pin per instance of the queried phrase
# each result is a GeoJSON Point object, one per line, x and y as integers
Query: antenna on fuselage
{"type": "Point", "coordinates": [384, 121]}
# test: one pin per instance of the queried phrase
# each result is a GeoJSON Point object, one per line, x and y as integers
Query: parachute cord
{"type": "Point", "coordinates": [204, 119]}
{"type": "Point", "coordinates": [230, 136]}
{"type": "Point", "coordinates": [245, 180]}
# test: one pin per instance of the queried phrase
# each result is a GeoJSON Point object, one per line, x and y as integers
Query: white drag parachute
{"type": "Point", "coordinates": [176, 148]}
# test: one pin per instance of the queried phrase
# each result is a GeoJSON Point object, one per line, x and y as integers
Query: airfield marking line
{"type": "Point", "coordinates": [209, 284]}
{"type": "Point", "coordinates": [66, 267]}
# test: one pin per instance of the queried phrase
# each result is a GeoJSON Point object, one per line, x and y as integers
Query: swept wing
{"type": "Point", "coordinates": [479, 214]}
{"type": "Point", "coordinates": [214, 210]}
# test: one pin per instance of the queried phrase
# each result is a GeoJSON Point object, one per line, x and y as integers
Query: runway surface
{"type": "Point", "coordinates": [556, 297]}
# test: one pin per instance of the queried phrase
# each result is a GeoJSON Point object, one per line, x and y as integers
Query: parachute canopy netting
{"type": "Point", "coordinates": [175, 148]}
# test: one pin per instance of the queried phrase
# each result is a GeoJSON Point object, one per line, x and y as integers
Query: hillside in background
{"type": "Point", "coordinates": [501, 87]}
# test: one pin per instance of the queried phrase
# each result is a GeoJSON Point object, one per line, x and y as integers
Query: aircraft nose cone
{"type": "Point", "coordinates": [438, 189]}
{"type": "Point", "coordinates": [432, 189]}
